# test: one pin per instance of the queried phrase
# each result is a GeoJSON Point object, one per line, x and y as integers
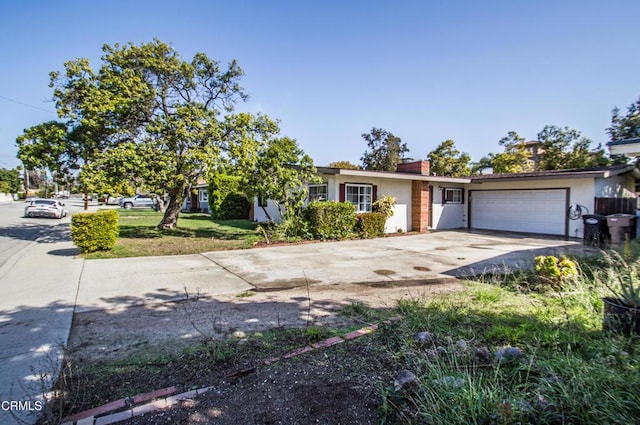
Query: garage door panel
{"type": "Point", "coordinates": [530, 211]}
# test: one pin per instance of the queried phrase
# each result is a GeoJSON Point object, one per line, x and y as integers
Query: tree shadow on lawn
{"type": "Point", "coordinates": [222, 229]}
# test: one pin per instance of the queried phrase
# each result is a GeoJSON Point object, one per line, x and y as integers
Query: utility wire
{"type": "Point", "coordinates": [26, 104]}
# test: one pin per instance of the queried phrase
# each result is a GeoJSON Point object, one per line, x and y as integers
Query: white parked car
{"type": "Point", "coordinates": [45, 208]}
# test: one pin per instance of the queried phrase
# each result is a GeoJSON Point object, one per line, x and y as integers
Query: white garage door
{"type": "Point", "coordinates": [529, 211]}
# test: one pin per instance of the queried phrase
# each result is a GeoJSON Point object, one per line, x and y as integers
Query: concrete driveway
{"type": "Point", "coordinates": [417, 259]}
{"type": "Point", "coordinates": [410, 260]}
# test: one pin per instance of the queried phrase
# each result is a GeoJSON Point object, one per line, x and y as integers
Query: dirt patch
{"type": "Point", "coordinates": [339, 384]}
{"type": "Point", "coordinates": [110, 335]}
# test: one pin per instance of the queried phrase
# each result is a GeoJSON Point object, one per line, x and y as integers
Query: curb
{"type": "Point", "coordinates": [161, 399]}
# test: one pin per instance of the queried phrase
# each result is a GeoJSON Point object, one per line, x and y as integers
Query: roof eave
{"type": "Point", "coordinates": [392, 175]}
{"type": "Point", "coordinates": [579, 174]}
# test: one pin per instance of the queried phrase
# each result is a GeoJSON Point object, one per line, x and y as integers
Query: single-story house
{"type": "Point", "coordinates": [199, 199]}
{"type": "Point", "coordinates": [417, 205]}
{"type": "Point", "coordinates": [536, 202]}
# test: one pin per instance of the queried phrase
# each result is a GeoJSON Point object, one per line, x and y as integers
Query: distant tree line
{"type": "Point", "coordinates": [557, 148]}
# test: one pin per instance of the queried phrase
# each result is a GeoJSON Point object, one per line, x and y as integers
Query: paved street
{"type": "Point", "coordinates": [38, 279]}
{"type": "Point", "coordinates": [43, 282]}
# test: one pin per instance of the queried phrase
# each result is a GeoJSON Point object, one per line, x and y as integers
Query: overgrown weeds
{"type": "Point", "coordinates": [567, 370]}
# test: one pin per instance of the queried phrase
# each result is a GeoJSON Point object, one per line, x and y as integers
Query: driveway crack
{"type": "Point", "coordinates": [242, 278]}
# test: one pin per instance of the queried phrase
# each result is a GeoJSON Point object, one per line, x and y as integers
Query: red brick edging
{"type": "Point", "coordinates": [163, 398]}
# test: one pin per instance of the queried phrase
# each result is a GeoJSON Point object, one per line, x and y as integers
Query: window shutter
{"type": "Point", "coordinates": [444, 196]}
{"type": "Point", "coordinates": [374, 194]}
{"type": "Point", "coordinates": [462, 196]}
{"type": "Point", "coordinates": [342, 192]}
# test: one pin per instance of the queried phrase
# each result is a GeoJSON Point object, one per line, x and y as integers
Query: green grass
{"type": "Point", "coordinates": [571, 371]}
{"type": "Point", "coordinates": [196, 233]}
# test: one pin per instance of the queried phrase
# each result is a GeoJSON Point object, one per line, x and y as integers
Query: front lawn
{"type": "Point", "coordinates": [196, 233]}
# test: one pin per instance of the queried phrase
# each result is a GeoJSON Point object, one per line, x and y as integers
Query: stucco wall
{"type": "Point", "coordinates": [7, 197]}
{"type": "Point", "coordinates": [615, 187]}
{"type": "Point", "coordinates": [448, 216]}
{"type": "Point", "coordinates": [399, 189]}
{"type": "Point", "coordinates": [260, 215]}
{"type": "Point", "coordinates": [581, 191]}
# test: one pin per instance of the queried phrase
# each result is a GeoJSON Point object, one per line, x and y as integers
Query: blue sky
{"type": "Point", "coordinates": [331, 70]}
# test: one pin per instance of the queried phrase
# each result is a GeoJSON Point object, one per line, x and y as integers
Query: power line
{"type": "Point", "coordinates": [26, 104]}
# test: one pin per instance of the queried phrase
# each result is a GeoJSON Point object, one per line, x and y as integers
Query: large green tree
{"type": "Point", "coordinates": [281, 173]}
{"type": "Point", "coordinates": [483, 164]}
{"type": "Point", "coordinates": [385, 151]}
{"type": "Point", "coordinates": [152, 118]}
{"type": "Point", "coordinates": [446, 160]}
{"type": "Point", "coordinates": [9, 180]}
{"type": "Point", "coordinates": [625, 126]}
{"type": "Point", "coordinates": [515, 158]}
{"type": "Point", "coordinates": [564, 148]}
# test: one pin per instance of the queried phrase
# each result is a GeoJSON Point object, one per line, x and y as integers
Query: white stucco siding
{"type": "Point", "coordinates": [399, 189]}
{"type": "Point", "coordinates": [260, 215]}
{"type": "Point", "coordinates": [448, 215]}
{"type": "Point", "coordinates": [581, 191]}
{"type": "Point", "coordinates": [615, 187]}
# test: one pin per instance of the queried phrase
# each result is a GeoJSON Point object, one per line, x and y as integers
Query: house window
{"type": "Point", "coordinates": [360, 195]}
{"type": "Point", "coordinates": [204, 196]}
{"type": "Point", "coordinates": [452, 195]}
{"type": "Point", "coordinates": [262, 201]}
{"type": "Point", "coordinates": [317, 192]}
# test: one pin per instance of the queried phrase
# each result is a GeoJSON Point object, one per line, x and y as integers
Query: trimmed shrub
{"type": "Point", "coordinates": [95, 231]}
{"type": "Point", "coordinates": [371, 225]}
{"type": "Point", "coordinates": [234, 207]}
{"type": "Point", "coordinates": [330, 219]}
{"type": "Point", "coordinates": [226, 202]}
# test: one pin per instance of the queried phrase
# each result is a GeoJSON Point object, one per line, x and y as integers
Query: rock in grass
{"type": "Point", "coordinates": [508, 354]}
{"type": "Point", "coordinates": [461, 346]}
{"type": "Point", "coordinates": [425, 338]}
{"type": "Point", "coordinates": [405, 381]}
{"type": "Point", "coordinates": [483, 355]}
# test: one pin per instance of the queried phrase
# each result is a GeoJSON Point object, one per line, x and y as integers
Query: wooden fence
{"type": "Point", "coordinates": [606, 206]}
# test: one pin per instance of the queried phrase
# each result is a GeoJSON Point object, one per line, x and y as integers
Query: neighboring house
{"type": "Point", "coordinates": [629, 147]}
{"type": "Point", "coordinates": [535, 150]}
{"type": "Point", "coordinates": [199, 199]}
{"type": "Point", "coordinates": [535, 202]}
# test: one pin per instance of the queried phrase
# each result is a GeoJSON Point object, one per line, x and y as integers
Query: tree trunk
{"type": "Point", "coordinates": [162, 206]}
{"type": "Point", "coordinates": [170, 218]}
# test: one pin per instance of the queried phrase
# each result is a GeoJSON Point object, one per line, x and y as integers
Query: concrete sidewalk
{"type": "Point", "coordinates": [36, 309]}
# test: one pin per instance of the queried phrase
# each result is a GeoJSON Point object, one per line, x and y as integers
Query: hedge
{"type": "Point", "coordinates": [371, 225]}
{"type": "Point", "coordinates": [226, 201]}
{"type": "Point", "coordinates": [330, 219]}
{"type": "Point", "coordinates": [95, 231]}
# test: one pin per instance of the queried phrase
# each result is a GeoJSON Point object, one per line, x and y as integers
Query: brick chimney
{"type": "Point", "coordinates": [414, 167]}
